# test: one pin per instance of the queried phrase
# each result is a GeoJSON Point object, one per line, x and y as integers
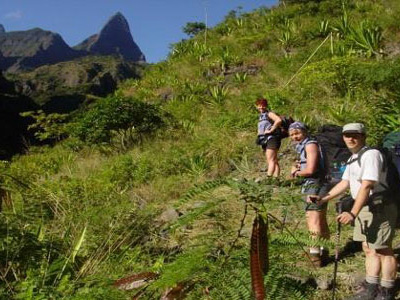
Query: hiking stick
{"type": "Point", "coordinates": [337, 245]}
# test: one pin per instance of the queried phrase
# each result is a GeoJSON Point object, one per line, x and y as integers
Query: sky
{"type": "Point", "coordinates": [154, 24]}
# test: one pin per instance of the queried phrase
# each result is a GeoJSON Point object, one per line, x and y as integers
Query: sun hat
{"type": "Point", "coordinates": [354, 128]}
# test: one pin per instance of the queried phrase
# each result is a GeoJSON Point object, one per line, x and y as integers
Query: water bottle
{"type": "Point", "coordinates": [342, 168]}
{"type": "Point", "coordinates": [335, 171]}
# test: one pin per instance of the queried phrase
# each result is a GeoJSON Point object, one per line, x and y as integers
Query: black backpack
{"type": "Point", "coordinates": [286, 121]}
{"type": "Point", "coordinates": [336, 154]}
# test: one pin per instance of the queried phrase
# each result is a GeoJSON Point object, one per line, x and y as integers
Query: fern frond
{"type": "Point", "coordinates": [194, 214]}
{"type": "Point", "coordinates": [201, 188]}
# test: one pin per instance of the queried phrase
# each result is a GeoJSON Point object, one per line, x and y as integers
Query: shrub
{"type": "Point", "coordinates": [116, 114]}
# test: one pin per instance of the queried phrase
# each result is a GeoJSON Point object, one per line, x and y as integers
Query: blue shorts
{"type": "Point", "coordinates": [314, 187]}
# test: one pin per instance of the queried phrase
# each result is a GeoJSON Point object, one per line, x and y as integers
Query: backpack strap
{"type": "Point", "coordinates": [358, 160]}
{"type": "Point", "coordinates": [310, 141]}
{"type": "Point", "coordinates": [360, 154]}
{"type": "Point", "coordinates": [321, 159]}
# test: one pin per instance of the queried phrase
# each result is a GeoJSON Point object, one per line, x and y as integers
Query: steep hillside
{"type": "Point", "coordinates": [73, 80]}
{"type": "Point", "coordinates": [162, 178]}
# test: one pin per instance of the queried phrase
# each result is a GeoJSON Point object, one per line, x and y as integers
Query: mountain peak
{"type": "Point", "coordinates": [116, 22]}
{"type": "Point", "coordinates": [2, 30]}
{"type": "Point", "coordinates": [114, 38]}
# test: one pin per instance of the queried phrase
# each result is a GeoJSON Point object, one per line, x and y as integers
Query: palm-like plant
{"type": "Point", "coordinates": [343, 28]}
{"type": "Point", "coordinates": [324, 28]}
{"type": "Point", "coordinates": [367, 39]}
{"type": "Point", "coordinates": [219, 94]}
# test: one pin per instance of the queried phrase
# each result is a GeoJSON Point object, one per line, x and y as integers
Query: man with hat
{"type": "Point", "coordinates": [374, 216]}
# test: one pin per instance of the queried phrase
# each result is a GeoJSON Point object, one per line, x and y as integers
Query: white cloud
{"type": "Point", "coordinates": [14, 15]}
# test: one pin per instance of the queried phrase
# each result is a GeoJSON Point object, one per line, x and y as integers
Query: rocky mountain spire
{"type": "Point", "coordinates": [114, 38]}
{"type": "Point", "coordinates": [2, 30]}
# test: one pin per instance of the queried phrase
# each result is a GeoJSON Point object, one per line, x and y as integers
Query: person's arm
{"type": "Point", "coordinates": [277, 122]}
{"type": "Point", "coordinates": [359, 202]}
{"type": "Point", "coordinates": [312, 161]}
{"type": "Point", "coordinates": [337, 190]}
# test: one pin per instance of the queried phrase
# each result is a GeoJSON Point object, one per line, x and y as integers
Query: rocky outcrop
{"type": "Point", "coordinates": [2, 29]}
{"type": "Point", "coordinates": [114, 38]}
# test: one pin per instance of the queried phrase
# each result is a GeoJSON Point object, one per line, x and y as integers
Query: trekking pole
{"type": "Point", "coordinates": [337, 245]}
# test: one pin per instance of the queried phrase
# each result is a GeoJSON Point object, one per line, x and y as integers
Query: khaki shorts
{"type": "Point", "coordinates": [376, 226]}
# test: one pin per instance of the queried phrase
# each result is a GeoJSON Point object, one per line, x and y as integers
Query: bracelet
{"type": "Point", "coordinates": [354, 217]}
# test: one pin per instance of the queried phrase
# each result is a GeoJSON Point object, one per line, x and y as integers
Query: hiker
{"type": "Point", "coordinates": [373, 213]}
{"type": "Point", "coordinates": [311, 167]}
{"type": "Point", "coordinates": [269, 136]}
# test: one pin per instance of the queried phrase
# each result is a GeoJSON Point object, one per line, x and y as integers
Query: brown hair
{"type": "Point", "coordinates": [262, 102]}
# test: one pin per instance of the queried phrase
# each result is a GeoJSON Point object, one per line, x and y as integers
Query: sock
{"type": "Point", "coordinates": [387, 283]}
{"type": "Point", "coordinates": [372, 279]}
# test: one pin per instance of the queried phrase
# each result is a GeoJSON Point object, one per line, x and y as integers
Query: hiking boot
{"type": "Point", "coordinates": [369, 293]}
{"type": "Point", "coordinates": [386, 294]}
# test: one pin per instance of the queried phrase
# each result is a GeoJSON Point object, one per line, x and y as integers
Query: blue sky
{"type": "Point", "coordinates": [155, 24]}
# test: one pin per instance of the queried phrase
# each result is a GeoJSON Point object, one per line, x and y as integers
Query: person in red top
{"type": "Point", "coordinates": [269, 136]}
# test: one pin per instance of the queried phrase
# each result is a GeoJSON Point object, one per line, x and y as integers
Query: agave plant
{"type": "Point", "coordinates": [179, 49]}
{"type": "Point", "coordinates": [367, 39]}
{"type": "Point", "coordinates": [287, 40]}
{"type": "Point", "coordinates": [343, 28]}
{"type": "Point", "coordinates": [219, 94]}
{"type": "Point", "coordinates": [240, 77]}
{"type": "Point", "coordinates": [239, 23]}
{"type": "Point", "coordinates": [200, 51]}
{"type": "Point", "coordinates": [324, 28]}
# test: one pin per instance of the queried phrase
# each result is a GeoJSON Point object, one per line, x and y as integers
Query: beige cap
{"type": "Point", "coordinates": [354, 128]}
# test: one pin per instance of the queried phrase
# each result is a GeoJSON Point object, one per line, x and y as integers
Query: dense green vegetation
{"type": "Point", "coordinates": [178, 199]}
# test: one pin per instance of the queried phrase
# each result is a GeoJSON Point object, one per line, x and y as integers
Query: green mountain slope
{"type": "Point", "coordinates": [175, 192]}
{"type": "Point", "coordinates": [73, 80]}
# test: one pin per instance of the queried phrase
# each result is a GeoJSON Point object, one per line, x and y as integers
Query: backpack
{"type": "Point", "coordinates": [330, 138]}
{"type": "Point", "coordinates": [286, 121]}
{"type": "Point", "coordinates": [391, 142]}
{"type": "Point", "coordinates": [322, 171]}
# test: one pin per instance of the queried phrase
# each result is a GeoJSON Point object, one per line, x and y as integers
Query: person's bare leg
{"type": "Point", "coordinates": [317, 224]}
{"type": "Point", "coordinates": [277, 169]}
{"type": "Point", "coordinates": [372, 261]}
{"type": "Point", "coordinates": [388, 264]}
{"type": "Point", "coordinates": [272, 160]}
{"type": "Point", "coordinates": [316, 227]}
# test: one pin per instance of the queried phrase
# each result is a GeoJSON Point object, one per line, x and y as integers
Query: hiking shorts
{"type": "Point", "coordinates": [311, 187]}
{"type": "Point", "coordinates": [274, 142]}
{"type": "Point", "coordinates": [376, 226]}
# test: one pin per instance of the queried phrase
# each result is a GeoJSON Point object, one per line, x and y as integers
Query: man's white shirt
{"type": "Point", "coordinates": [369, 169]}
